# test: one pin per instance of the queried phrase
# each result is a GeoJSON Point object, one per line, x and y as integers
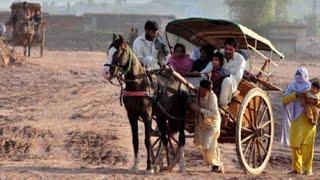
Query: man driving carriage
{"type": "Point", "coordinates": [144, 46]}
{"type": "Point", "coordinates": [36, 20]}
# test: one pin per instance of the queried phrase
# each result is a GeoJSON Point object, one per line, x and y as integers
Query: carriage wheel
{"type": "Point", "coordinates": [164, 158]}
{"type": "Point", "coordinates": [42, 40]}
{"type": "Point", "coordinates": [254, 132]}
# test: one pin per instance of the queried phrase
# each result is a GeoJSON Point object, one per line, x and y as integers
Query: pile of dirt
{"type": "Point", "coordinates": [8, 56]}
{"type": "Point", "coordinates": [4, 54]}
{"type": "Point", "coordinates": [95, 148]}
{"type": "Point", "coordinates": [19, 143]}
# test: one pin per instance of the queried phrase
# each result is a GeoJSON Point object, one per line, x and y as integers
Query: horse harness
{"type": "Point", "coordinates": [153, 96]}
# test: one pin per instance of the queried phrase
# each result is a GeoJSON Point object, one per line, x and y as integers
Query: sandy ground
{"type": "Point", "coordinates": [60, 120]}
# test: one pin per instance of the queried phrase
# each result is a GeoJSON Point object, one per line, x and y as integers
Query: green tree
{"type": "Point", "coordinates": [256, 14]}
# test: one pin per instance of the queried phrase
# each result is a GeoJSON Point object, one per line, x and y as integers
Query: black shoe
{"type": "Point", "coordinates": [214, 168]}
{"type": "Point", "coordinates": [217, 169]}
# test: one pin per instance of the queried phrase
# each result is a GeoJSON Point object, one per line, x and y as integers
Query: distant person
{"type": "Point", "coordinates": [144, 46]}
{"type": "Point", "coordinates": [180, 61]}
{"type": "Point", "coordinates": [136, 33]}
{"type": "Point", "coordinates": [2, 29]}
{"type": "Point", "coordinates": [131, 37]}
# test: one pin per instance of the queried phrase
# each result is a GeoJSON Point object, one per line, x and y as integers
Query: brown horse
{"type": "Point", "coordinates": [23, 35]}
{"type": "Point", "coordinates": [148, 95]}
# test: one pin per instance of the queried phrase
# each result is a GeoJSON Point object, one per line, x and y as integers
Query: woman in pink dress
{"type": "Point", "coordinates": [180, 61]}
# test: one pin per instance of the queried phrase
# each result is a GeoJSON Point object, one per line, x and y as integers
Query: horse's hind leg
{"type": "Point", "coordinates": [147, 129]}
{"type": "Point", "coordinates": [162, 125]}
{"type": "Point", "coordinates": [133, 118]}
{"type": "Point", "coordinates": [182, 139]}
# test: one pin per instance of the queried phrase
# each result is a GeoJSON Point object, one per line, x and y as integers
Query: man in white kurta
{"type": "Point", "coordinates": [144, 46]}
{"type": "Point", "coordinates": [234, 66]}
{"type": "Point", "coordinates": [208, 124]}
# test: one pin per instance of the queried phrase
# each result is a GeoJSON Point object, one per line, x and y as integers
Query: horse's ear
{"type": "Point", "coordinates": [114, 37]}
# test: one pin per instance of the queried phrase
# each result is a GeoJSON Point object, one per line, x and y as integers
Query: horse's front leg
{"type": "Point", "coordinates": [182, 141]}
{"type": "Point", "coordinates": [133, 118]}
{"type": "Point", "coordinates": [147, 118]}
{"type": "Point", "coordinates": [24, 50]}
{"type": "Point", "coordinates": [29, 48]}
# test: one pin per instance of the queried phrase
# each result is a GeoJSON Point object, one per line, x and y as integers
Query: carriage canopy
{"type": "Point", "coordinates": [32, 6]}
{"type": "Point", "coordinates": [200, 31]}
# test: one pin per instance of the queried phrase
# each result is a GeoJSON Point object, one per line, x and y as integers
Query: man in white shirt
{"type": "Point", "coordinates": [234, 65]}
{"type": "Point", "coordinates": [144, 46]}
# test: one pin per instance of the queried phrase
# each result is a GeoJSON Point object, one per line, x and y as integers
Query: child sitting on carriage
{"type": "Point", "coordinates": [217, 73]}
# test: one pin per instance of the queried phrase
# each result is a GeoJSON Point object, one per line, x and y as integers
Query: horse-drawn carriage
{"type": "Point", "coordinates": [158, 95]}
{"type": "Point", "coordinates": [250, 123]}
{"type": "Point", "coordinates": [27, 27]}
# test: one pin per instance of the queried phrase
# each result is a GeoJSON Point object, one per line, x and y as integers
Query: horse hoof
{"type": "Point", "coordinates": [182, 167]}
{"type": "Point", "coordinates": [150, 171]}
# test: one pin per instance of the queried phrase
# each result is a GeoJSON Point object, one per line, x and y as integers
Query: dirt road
{"type": "Point", "coordinates": [60, 119]}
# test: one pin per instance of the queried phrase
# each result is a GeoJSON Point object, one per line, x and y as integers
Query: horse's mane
{"type": "Point", "coordinates": [137, 68]}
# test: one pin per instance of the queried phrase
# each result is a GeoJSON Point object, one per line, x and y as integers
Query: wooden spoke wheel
{"type": "Point", "coordinates": [164, 157]}
{"type": "Point", "coordinates": [255, 131]}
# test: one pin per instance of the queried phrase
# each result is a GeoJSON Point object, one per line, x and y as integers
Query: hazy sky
{"type": "Point", "coordinates": [5, 4]}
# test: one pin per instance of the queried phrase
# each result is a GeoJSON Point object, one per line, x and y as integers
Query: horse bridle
{"type": "Point", "coordinates": [120, 71]}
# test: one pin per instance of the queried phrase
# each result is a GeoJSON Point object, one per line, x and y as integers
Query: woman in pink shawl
{"type": "Point", "coordinates": [180, 61]}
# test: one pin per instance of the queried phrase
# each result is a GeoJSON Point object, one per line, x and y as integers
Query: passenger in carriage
{"type": "Point", "coordinates": [234, 66]}
{"type": "Point", "coordinates": [208, 124]}
{"type": "Point", "coordinates": [25, 13]}
{"type": "Point", "coordinates": [180, 61]}
{"type": "Point", "coordinates": [206, 52]}
{"type": "Point", "coordinates": [217, 73]}
{"type": "Point", "coordinates": [37, 20]}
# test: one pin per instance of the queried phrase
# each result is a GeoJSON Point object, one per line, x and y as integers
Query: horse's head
{"type": "Point", "coordinates": [120, 59]}
{"type": "Point", "coordinates": [162, 50]}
